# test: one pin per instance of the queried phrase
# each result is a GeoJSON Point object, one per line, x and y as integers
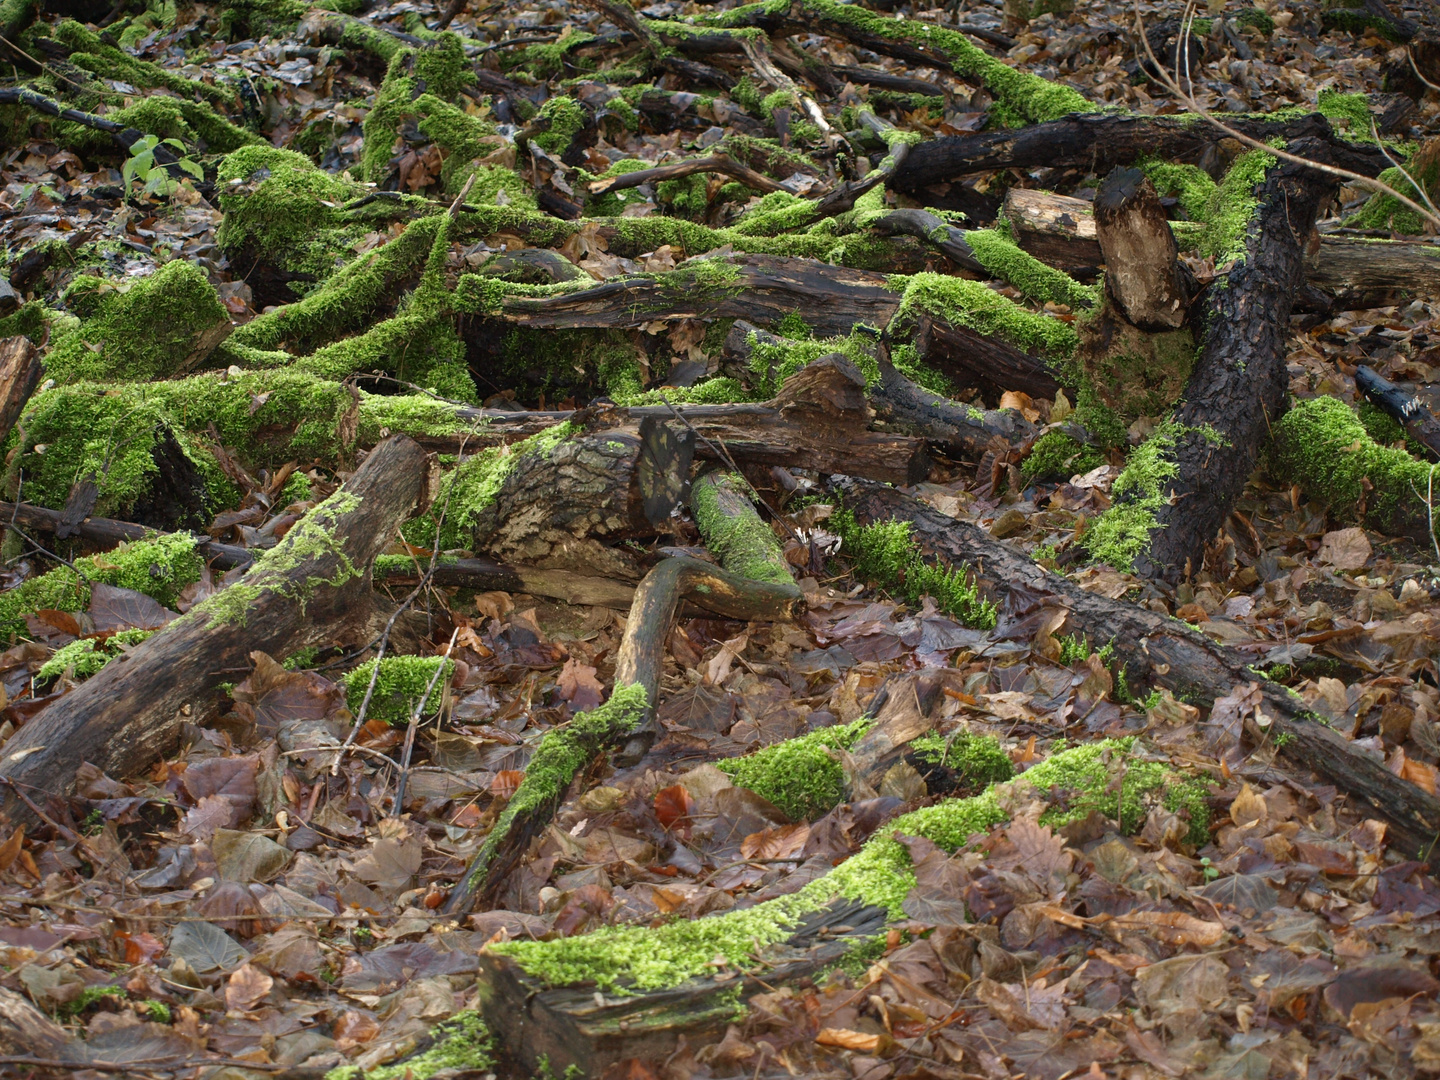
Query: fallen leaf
{"type": "Point", "coordinates": [673, 806]}
{"type": "Point", "coordinates": [780, 842]}
{"type": "Point", "coordinates": [578, 685]}
{"type": "Point", "coordinates": [1344, 549]}
{"type": "Point", "coordinates": [1248, 807]}
{"type": "Point", "coordinates": [1171, 927]}
{"type": "Point", "coordinates": [845, 1039]}
{"type": "Point", "coordinates": [245, 987]}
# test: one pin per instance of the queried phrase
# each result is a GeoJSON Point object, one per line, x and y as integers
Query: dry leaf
{"type": "Point", "coordinates": [1171, 927]}
{"type": "Point", "coordinates": [846, 1039]}
{"type": "Point", "coordinates": [1345, 549]}
{"type": "Point", "coordinates": [246, 986]}
{"type": "Point", "coordinates": [1248, 807]}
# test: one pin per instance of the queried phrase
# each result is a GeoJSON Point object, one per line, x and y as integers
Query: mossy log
{"type": "Point", "coordinates": [1167, 653]}
{"type": "Point", "coordinates": [1098, 142]}
{"type": "Point", "coordinates": [312, 589]}
{"type": "Point", "coordinates": [1182, 492]}
{"type": "Point", "coordinates": [625, 991]}
{"type": "Point", "coordinates": [960, 430]}
{"type": "Point", "coordinates": [107, 532]}
{"type": "Point", "coordinates": [763, 288]}
{"type": "Point", "coordinates": [969, 358]}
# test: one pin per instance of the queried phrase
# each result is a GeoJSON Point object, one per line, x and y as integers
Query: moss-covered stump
{"type": "Point", "coordinates": [153, 327]}
{"type": "Point", "coordinates": [533, 993]}
{"type": "Point", "coordinates": [160, 568]}
{"type": "Point", "coordinates": [1321, 446]}
{"type": "Point", "coordinates": [399, 687]}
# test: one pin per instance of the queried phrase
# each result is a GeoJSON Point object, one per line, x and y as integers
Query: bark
{"type": "Point", "coordinates": [1239, 383]}
{"type": "Point", "coordinates": [20, 373]}
{"type": "Point", "coordinates": [764, 288]}
{"type": "Point", "coordinates": [715, 163]}
{"type": "Point", "coordinates": [107, 532]}
{"type": "Point", "coordinates": [929, 229]}
{"type": "Point", "coordinates": [959, 430]}
{"type": "Point", "coordinates": [1097, 142]}
{"type": "Point", "coordinates": [1407, 409]}
{"type": "Point", "coordinates": [1167, 652]}
{"type": "Point", "coordinates": [1142, 279]}
{"type": "Point", "coordinates": [971, 359]}
{"type": "Point", "coordinates": [24, 1029]}
{"type": "Point", "coordinates": [313, 589]}
{"type": "Point", "coordinates": [1061, 231]}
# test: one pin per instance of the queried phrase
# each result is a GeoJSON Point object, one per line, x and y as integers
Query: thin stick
{"type": "Point", "coordinates": [414, 723]}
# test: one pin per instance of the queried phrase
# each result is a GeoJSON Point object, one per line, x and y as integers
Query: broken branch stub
{"type": "Point", "coordinates": [311, 589]}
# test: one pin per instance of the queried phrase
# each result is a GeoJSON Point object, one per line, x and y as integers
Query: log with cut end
{"type": "Point", "coordinates": [1239, 384]}
{"type": "Point", "coordinates": [312, 589]}
{"type": "Point", "coordinates": [1169, 654]}
{"type": "Point", "coordinates": [1142, 278]}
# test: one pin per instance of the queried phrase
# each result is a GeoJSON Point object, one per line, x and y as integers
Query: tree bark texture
{"type": "Point", "coordinates": [1142, 278]}
{"type": "Point", "coordinates": [312, 589]}
{"type": "Point", "coordinates": [1239, 383]}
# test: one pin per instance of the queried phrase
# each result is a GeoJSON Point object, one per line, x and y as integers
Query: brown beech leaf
{"type": "Point", "coordinates": [1248, 807]}
{"type": "Point", "coordinates": [845, 1039]}
{"type": "Point", "coordinates": [578, 685]}
{"type": "Point", "coordinates": [1369, 985]}
{"type": "Point", "coordinates": [673, 806]}
{"type": "Point", "coordinates": [1171, 927]}
{"type": "Point", "coordinates": [780, 842]}
{"type": "Point", "coordinates": [245, 987]}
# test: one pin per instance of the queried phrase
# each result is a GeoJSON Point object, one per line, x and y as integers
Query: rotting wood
{"type": "Point", "coordinates": [314, 588]}
{"type": "Point", "coordinates": [1142, 279]}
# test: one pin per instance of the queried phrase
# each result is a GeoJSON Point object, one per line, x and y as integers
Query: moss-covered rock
{"type": "Point", "coordinates": [147, 328]}
{"type": "Point", "coordinates": [399, 688]}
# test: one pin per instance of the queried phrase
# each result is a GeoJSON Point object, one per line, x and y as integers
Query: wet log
{"type": "Point", "coordinates": [1056, 229]}
{"type": "Point", "coordinates": [1406, 409]}
{"type": "Point", "coordinates": [969, 358]}
{"type": "Point", "coordinates": [1098, 142]}
{"type": "Point", "coordinates": [1169, 654]}
{"type": "Point", "coordinates": [1239, 384]}
{"type": "Point", "coordinates": [20, 372]}
{"type": "Point", "coordinates": [959, 430]}
{"type": "Point", "coordinates": [763, 288]}
{"type": "Point", "coordinates": [1143, 284]}
{"type": "Point", "coordinates": [313, 589]}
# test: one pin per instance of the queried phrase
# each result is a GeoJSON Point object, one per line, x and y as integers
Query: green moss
{"type": "Point", "coordinates": [1357, 20]}
{"type": "Point", "coordinates": [142, 330]}
{"type": "Point", "coordinates": [1227, 220]}
{"type": "Point", "coordinates": [978, 759]}
{"type": "Point", "coordinates": [566, 118]}
{"type": "Point", "coordinates": [435, 72]}
{"type": "Point", "coordinates": [399, 687]}
{"type": "Point", "coordinates": [971, 304]}
{"type": "Point", "coordinates": [1003, 258]}
{"type": "Point", "coordinates": [281, 207]}
{"type": "Point", "coordinates": [92, 54]}
{"type": "Point", "coordinates": [1383, 211]}
{"type": "Point", "coordinates": [1321, 446]}
{"type": "Point", "coordinates": [1123, 531]}
{"type": "Point", "coordinates": [885, 553]}
{"type": "Point", "coordinates": [85, 656]}
{"type": "Point", "coordinates": [742, 542]}
{"type": "Point", "coordinates": [89, 996]}
{"type": "Point", "coordinates": [1056, 454]}
{"type": "Point", "coordinates": [1350, 113]}
{"type": "Point", "coordinates": [1102, 776]}
{"type": "Point", "coordinates": [462, 1043]}
{"type": "Point", "coordinates": [468, 490]}
{"type": "Point", "coordinates": [799, 775]}
{"type": "Point", "coordinates": [1028, 96]}
{"type": "Point", "coordinates": [160, 568]}
{"type": "Point", "coordinates": [1193, 186]}
{"type": "Point", "coordinates": [1255, 17]}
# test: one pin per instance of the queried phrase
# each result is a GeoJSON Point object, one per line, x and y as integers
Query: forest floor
{"type": "Point", "coordinates": [256, 905]}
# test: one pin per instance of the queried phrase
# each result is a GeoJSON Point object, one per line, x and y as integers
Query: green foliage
{"type": "Point", "coordinates": [88, 997]}
{"type": "Point", "coordinates": [1056, 454]}
{"type": "Point", "coordinates": [1192, 185]}
{"type": "Point", "coordinates": [160, 568]}
{"type": "Point", "coordinates": [1321, 446]}
{"type": "Point", "coordinates": [1123, 531]}
{"type": "Point", "coordinates": [399, 687]}
{"type": "Point", "coordinates": [1382, 211]}
{"type": "Point", "coordinates": [1003, 258]}
{"type": "Point", "coordinates": [85, 656]}
{"type": "Point", "coordinates": [282, 208]}
{"type": "Point", "coordinates": [140, 165]}
{"type": "Point", "coordinates": [146, 328]}
{"type": "Point", "coordinates": [443, 69]}
{"type": "Point", "coordinates": [978, 759]}
{"type": "Point", "coordinates": [799, 775]}
{"type": "Point", "coordinates": [886, 554]}
{"type": "Point", "coordinates": [566, 118]}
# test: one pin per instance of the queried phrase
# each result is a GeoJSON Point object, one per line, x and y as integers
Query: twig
{"type": "Point", "coordinates": [414, 723]}
{"type": "Point", "coordinates": [1171, 83]}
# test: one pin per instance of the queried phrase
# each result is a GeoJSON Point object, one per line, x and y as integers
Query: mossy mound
{"type": "Point", "coordinates": [960, 761]}
{"type": "Point", "coordinates": [1056, 455]}
{"type": "Point", "coordinates": [419, 83]}
{"type": "Point", "coordinates": [399, 688]}
{"type": "Point", "coordinates": [1324, 448]}
{"type": "Point", "coordinates": [460, 1045]}
{"type": "Point", "coordinates": [799, 776]}
{"type": "Point", "coordinates": [87, 656]}
{"type": "Point", "coordinates": [149, 328]}
{"type": "Point", "coordinates": [1102, 777]}
{"type": "Point", "coordinates": [160, 568]}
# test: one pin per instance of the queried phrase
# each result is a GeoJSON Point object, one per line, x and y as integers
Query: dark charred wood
{"type": "Point", "coordinates": [887, 80]}
{"type": "Point", "coordinates": [1169, 654]}
{"type": "Point", "coordinates": [1142, 278]}
{"type": "Point", "coordinates": [1097, 142]}
{"type": "Point", "coordinates": [929, 229]}
{"type": "Point", "coordinates": [971, 359]}
{"type": "Point", "coordinates": [716, 163]}
{"type": "Point", "coordinates": [1407, 409]}
{"type": "Point", "coordinates": [129, 715]}
{"type": "Point", "coordinates": [764, 288]}
{"type": "Point", "coordinates": [1239, 383]}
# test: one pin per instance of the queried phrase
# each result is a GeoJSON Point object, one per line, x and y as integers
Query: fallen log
{"type": "Point", "coordinates": [1167, 653]}
{"type": "Point", "coordinates": [312, 589]}
{"type": "Point", "coordinates": [1405, 409]}
{"type": "Point", "coordinates": [1060, 230]}
{"type": "Point", "coordinates": [1181, 485]}
{"type": "Point", "coordinates": [959, 430]}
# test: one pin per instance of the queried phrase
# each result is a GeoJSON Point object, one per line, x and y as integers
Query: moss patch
{"type": "Point", "coordinates": [972, 304]}
{"type": "Point", "coordinates": [743, 543]}
{"type": "Point", "coordinates": [799, 775]}
{"type": "Point", "coordinates": [399, 687]}
{"type": "Point", "coordinates": [979, 760]}
{"type": "Point", "coordinates": [87, 656]}
{"type": "Point", "coordinates": [1121, 533]}
{"type": "Point", "coordinates": [1056, 454]}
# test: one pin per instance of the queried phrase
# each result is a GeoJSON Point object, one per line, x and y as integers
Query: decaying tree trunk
{"type": "Point", "coordinates": [970, 359]}
{"type": "Point", "coordinates": [313, 589]}
{"type": "Point", "coordinates": [20, 372]}
{"type": "Point", "coordinates": [1239, 384]}
{"type": "Point", "coordinates": [1142, 279]}
{"type": "Point", "coordinates": [1169, 654]}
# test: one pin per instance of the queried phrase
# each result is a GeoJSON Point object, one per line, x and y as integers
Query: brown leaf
{"type": "Point", "coordinates": [1370, 985]}
{"type": "Point", "coordinates": [10, 850]}
{"type": "Point", "coordinates": [846, 1039]}
{"type": "Point", "coordinates": [1171, 927]}
{"type": "Point", "coordinates": [272, 697]}
{"type": "Point", "coordinates": [578, 685]}
{"type": "Point", "coordinates": [1248, 807]}
{"type": "Point", "coordinates": [940, 883]}
{"type": "Point", "coordinates": [506, 783]}
{"type": "Point", "coordinates": [673, 806]}
{"type": "Point", "coordinates": [113, 608]}
{"type": "Point", "coordinates": [1345, 549]}
{"type": "Point", "coordinates": [245, 987]}
{"type": "Point", "coordinates": [777, 843]}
